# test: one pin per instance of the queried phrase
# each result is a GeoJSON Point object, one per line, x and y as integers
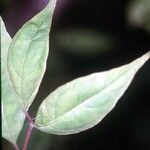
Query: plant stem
{"type": "Point", "coordinates": [28, 117]}
{"type": "Point", "coordinates": [29, 131]}
{"type": "Point", "coordinates": [15, 146]}
{"type": "Point", "coordinates": [27, 138]}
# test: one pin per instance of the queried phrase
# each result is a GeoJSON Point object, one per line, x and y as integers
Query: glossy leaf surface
{"type": "Point", "coordinates": [84, 102]}
{"type": "Point", "coordinates": [12, 114]}
{"type": "Point", "coordinates": [28, 54]}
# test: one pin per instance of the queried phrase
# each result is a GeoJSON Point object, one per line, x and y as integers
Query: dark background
{"type": "Point", "coordinates": [128, 124]}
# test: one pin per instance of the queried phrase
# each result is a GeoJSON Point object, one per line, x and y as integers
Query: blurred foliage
{"type": "Point", "coordinates": [83, 42]}
{"type": "Point", "coordinates": [139, 14]}
{"type": "Point", "coordinates": [67, 60]}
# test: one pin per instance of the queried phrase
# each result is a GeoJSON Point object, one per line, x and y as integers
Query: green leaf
{"type": "Point", "coordinates": [28, 55]}
{"type": "Point", "coordinates": [12, 114]}
{"type": "Point", "coordinates": [84, 102]}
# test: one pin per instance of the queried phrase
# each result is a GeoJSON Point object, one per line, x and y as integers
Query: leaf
{"type": "Point", "coordinates": [12, 114]}
{"type": "Point", "coordinates": [28, 55]}
{"type": "Point", "coordinates": [84, 102]}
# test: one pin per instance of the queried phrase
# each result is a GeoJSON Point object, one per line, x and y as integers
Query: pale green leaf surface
{"type": "Point", "coordinates": [28, 54]}
{"type": "Point", "coordinates": [84, 102]}
{"type": "Point", "coordinates": [12, 114]}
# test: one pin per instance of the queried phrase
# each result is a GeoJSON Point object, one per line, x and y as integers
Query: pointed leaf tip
{"type": "Point", "coordinates": [28, 54]}
{"type": "Point", "coordinates": [84, 102]}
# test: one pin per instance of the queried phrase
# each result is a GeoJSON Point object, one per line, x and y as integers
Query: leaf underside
{"type": "Point", "coordinates": [28, 54]}
{"type": "Point", "coordinates": [12, 114]}
{"type": "Point", "coordinates": [84, 102]}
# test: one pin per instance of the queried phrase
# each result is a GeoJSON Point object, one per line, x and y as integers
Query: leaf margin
{"type": "Point", "coordinates": [51, 125]}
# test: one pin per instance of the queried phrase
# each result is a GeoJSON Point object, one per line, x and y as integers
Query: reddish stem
{"type": "Point", "coordinates": [29, 131]}
{"type": "Point", "coordinates": [15, 146]}
{"type": "Point", "coordinates": [28, 117]}
{"type": "Point", "coordinates": [27, 138]}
